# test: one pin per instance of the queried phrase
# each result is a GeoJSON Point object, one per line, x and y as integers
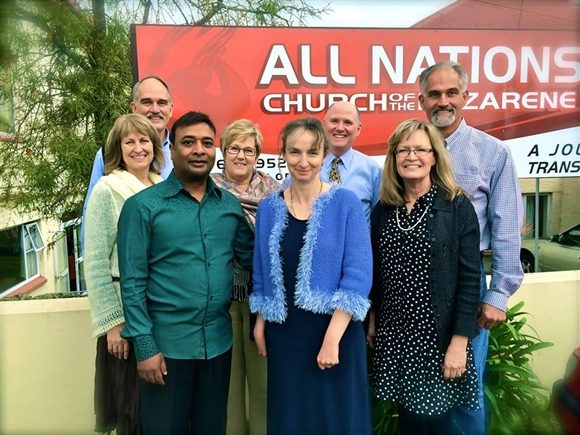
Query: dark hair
{"type": "Point", "coordinates": [312, 125]}
{"type": "Point", "coordinates": [191, 118]}
{"type": "Point", "coordinates": [125, 125]}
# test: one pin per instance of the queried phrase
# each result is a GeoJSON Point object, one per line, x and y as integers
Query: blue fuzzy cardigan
{"type": "Point", "coordinates": [335, 267]}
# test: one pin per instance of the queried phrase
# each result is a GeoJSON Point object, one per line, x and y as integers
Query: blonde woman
{"type": "Point", "coordinates": [241, 145]}
{"type": "Point", "coordinates": [426, 273]}
{"type": "Point", "coordinates": [133, 159]}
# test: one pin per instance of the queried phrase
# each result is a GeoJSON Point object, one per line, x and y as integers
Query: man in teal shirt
{"type": "Point", "coordinates": [177, 242]}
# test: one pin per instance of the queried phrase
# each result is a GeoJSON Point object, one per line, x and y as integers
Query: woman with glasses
{"type": "Point", "coordinates": [241, 144]}
{"type": "Point", "coordinates": [425, 294]}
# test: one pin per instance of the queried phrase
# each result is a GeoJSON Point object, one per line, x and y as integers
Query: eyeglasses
{"type": "Point", "coordinates": [419, 152]}
{"type": "Point", "coordinates": [235, 150]}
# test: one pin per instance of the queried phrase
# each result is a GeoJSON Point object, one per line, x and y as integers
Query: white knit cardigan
{"type": "Point", "coordinates": [100, 255]}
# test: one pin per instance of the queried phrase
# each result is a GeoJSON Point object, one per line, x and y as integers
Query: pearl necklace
{"type": "Point", "coordinates": [416, 223]}
{"type": "Point", "coordinates": [292, 202]}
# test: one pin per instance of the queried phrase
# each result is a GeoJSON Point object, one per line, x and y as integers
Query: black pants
{"type": "Point", "coordinates": [416, 424]}
{"type": "Point", "coordinates": [193, 400]}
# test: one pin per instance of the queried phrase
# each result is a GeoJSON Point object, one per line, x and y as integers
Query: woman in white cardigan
{"type": "Point", "coordinates": [133, 158]}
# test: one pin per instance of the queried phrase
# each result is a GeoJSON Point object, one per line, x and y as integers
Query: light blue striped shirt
{"type": "Point", "coordinates": [359, 174]}
{"type": "Point", "coordinates": [484, 167]}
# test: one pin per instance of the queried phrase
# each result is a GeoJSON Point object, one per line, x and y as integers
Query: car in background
{"type": "Point", "coordinates": [559, 252]}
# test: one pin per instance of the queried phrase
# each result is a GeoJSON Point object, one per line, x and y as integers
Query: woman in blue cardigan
{"type": "Point", "coordinates": [312, 276]}
{"type": "Point", "coordinates": [425, 294]}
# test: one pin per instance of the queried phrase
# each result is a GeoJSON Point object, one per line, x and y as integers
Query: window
{"type": "Point", "coordinates": [529, 201]}
{"type": "Point", "coordinates": [19, 249]}
{"type": "Point", "coordinates": [570, 237]}
{"type": "Point", "coordinates": [73, 251]}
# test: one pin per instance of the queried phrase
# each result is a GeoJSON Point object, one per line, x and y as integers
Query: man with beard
{"type": "Point", "coordinates": [151, 98]}
{"type": "Point", "coordinates": [177, 242]}
{"type": "Point", "coordinates": [484, 168]}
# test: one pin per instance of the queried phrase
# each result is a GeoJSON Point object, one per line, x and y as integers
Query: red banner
{"type": "Point", "coordinates": [522, 83]}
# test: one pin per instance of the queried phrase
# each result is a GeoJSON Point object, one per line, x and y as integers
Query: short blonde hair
{"type": "Point", "coordinates": [241, 129]}
{"type": "Point", "coordinates": [392, 187]}
{"type": "Point", "coordinates": [124, 125]}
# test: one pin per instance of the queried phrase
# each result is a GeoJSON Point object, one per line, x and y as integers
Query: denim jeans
{"type": "Point", "coordinates": [474, 422]}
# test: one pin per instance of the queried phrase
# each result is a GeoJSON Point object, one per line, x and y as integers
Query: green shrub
{"type": "Point", "coordinates": [516, 400]}
{"type": "Point", "coordinates": [26, 297]}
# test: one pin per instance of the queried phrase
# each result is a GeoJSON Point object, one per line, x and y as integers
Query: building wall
{"type": "Point", "coordinates": [570, 207]}
{"type": "Point", "coordinates": [46, 367]}
{"type": "Point", "coordinates": [47, 358]}
{"type": "Point", "coordinates": [565, 200]}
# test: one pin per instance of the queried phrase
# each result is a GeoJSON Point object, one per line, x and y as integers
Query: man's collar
{"type": "Point", "coordinates": [212, 188]}
{"type": "Point", "coordinates": [166, 141]}
{"type": "Point", "coordinates": [173, 186]}
{"type": "Point", "coordinates": [346, 158]}
{"type": "Point", "coordinates": [457, 133]}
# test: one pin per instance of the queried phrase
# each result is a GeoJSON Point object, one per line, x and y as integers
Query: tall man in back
{"type": "Point", "coordinates": [177, 242]}
{"type": "Point", "coordinates": [343, 164]}
{"type": "Point", "coordinates": [151, 98]}
{"type": "Point", "coordinates": [484, 168]}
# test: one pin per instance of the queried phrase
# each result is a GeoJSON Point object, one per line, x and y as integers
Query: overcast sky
{"type": "Point", "coordinates": [375, 13]}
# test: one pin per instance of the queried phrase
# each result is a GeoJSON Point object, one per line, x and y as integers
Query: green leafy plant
{"type": "Point", "coordinates": [516, 399]}
{"type": "Point", "coordinates": [26, 297]}
{"type": "Point", "coordinates": [385, 417]}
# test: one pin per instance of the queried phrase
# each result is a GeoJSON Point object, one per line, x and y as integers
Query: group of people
{"type": "Point", "coordinates": [221, 296]}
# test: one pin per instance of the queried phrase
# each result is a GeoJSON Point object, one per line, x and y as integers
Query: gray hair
{"type": "Point", "coordinates": [159, 79]}
{"type": "Point", "coordinates": [463, 79]}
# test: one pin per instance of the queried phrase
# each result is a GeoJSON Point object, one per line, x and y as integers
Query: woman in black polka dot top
{"type": "Point", "coordinates": [426, 282]}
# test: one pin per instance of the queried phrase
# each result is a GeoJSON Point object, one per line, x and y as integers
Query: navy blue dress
{"type": "Point", "coordinates": [302, 399]}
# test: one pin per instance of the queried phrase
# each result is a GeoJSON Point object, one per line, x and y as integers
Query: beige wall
{"type": "Point", "coordinates": [553, 301]}
{"type": "Point", "coordinates": [47, 355]}
{"type": "Point", "coordinates": [570, 215]}
{"type": "Point", "coordinates": [46, 367]}
{"type": "Point", "coordinates": [565, 206]}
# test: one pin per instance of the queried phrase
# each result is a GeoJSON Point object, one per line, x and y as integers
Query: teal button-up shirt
{"type": "Point", "coordinates": [176, 259]}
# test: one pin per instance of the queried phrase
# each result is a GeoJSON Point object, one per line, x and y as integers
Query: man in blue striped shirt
{"type": "Point", "coordinates": [484, 168]}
